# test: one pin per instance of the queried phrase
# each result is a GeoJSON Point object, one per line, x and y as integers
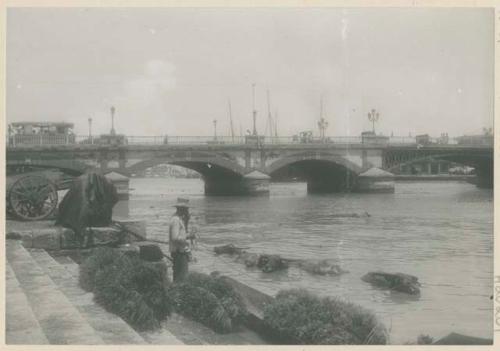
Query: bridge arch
{"type": "Point", "coordinates": [323, 172]}
{"type": "Point", "coordinates": [481, 159]}
{"type": "Point", "coordinates": [207, 167]}
{"type": "Point", "coordinates": [321, 157]}
{"type": "Point", "coordinates": [221, 176]}
{"type": "Point", "coordinates": [466, 160]}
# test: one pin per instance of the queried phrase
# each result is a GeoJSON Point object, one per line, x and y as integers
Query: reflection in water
{"type": "Point", "coordinates": [400, 298]}
{"type": "Point", "coordinates": [441, 232]}
{"type": "Point", "coordinates": [121, 209]}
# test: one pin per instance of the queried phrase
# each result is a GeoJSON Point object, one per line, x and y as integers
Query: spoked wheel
{"type": "Point", "coordinates": [32, 198]}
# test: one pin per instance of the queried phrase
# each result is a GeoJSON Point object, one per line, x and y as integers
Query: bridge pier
{"type": "Point", "coordinates": [254, 183]}
{"type": "Point", "coordinates": [337, 183]}
{"type": "Point", "coordinates": [375, 180]}
{"type": "Point", "coordinates": [484, 178]}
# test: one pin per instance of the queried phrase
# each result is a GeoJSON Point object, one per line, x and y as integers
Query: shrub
{"type": "Point", "coordinates": [134, 290]}
{"type": "Point", "coordinates": [209, 300]}
{"type": "Point", "coordinates": [139, 292]}
{"type": "Point", "coordinates": [225, 293]}
{"type": "Point", "coordinates": [127, 286]}
{"type": "Point", "coordinates": [302, 318]}
{"type": "Point", "coordinates": [203, 306]}
{"type": "Point", "coordinates": [99, 258]}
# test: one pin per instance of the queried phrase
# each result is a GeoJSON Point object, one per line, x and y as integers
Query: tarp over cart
{"type": "Point", "coordinates": [88, 203]}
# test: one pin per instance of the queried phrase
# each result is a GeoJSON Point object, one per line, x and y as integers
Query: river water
{"type": "Point", "coordinates": [441, 232]}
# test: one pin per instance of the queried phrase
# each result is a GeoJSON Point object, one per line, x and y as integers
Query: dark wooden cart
{"type": "Point", "coordinates": [32, 194]}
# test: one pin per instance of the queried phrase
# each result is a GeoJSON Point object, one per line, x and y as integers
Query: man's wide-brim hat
{"type": "Point", "coordinates": [182, 202]}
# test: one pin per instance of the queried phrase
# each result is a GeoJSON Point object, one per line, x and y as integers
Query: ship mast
{"type": "Point", "coordinates": [231, 119]}
{"type": "Point", "coordinates": [276, 123]}
{"type": "Point", "coordinates": [269, 116]}
{"type": "Point", "coordinates": [254, 112]}
{"type": "Point", "coordinates": [321, 107]}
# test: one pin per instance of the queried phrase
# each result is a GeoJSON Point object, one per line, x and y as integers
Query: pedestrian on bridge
{"type": "Point", "coordinates": [178, 240]}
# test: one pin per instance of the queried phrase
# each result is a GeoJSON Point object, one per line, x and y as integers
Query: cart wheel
{"type": "Point", "coordinates": [32, 198]}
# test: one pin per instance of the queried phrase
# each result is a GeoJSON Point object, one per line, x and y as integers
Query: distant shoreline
{"type": "Point", "coordinates": [397, 177]}
{"type": "Point", "coordinates": [433, 177]}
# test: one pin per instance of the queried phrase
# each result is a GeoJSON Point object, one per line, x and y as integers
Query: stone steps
{"type": "Point", "coordinates": [70, 265]}
{"type": "Point", "coordinates": [21, 325]}
{"type": "Point", "coordinates": [60, 321]}
{"type": "Point", "coordinates": [45, 305]}
{"type": "Point", "coordinates": [157, 337]}
{"type": "Point", "coordinates": [110, 328]}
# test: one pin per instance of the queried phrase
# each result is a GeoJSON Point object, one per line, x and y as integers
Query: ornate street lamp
{"type": "Point", "coordinates": [322, 125]}
{"type": "Point", "coordinates": [373, 117]}
{"type": "Point", "coordinates": [113, 120]}
{"type": "Point", "coordinates": [254, 112]}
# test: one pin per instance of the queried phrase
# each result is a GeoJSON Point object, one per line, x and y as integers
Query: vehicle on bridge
{"type": "Point", "coordinates": [423, 139]}
{"type": "Point", "coordinates": [426, 140]}
{"type": "Point", "coordinates": [306, 137]}
{"type": "Point", "coordinates": [40, 133]}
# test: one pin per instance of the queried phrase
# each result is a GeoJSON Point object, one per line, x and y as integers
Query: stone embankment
{"type": "Point", "coordinates": [45, 305]}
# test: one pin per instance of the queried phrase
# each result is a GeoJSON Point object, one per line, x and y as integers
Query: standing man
{"type": "Point", "coordinates": [178, 239]}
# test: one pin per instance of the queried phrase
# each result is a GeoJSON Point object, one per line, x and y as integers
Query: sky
{"type": "Point", "coordinates": [172, 71]}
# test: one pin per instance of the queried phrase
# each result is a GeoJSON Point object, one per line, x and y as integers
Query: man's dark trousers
{"type": "Point", "coordinates": [180, 263]}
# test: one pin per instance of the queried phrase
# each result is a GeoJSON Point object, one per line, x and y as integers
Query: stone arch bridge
{"type": "Point", "coordinates": [247, 169]}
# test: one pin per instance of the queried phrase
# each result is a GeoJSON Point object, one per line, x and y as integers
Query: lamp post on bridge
{"type": "Point", "coordinates": [373, 117]}
{"type": "Point", "coordinates": [322, 125]}
{"type": "Point", "coordinates": [254, 111]}
{"type": "Point", "coordinates": [215, 129]}
{"type": "Point", "coordinates": [113, 120]}
{"type": "Point", "coordinates": [90, 130]}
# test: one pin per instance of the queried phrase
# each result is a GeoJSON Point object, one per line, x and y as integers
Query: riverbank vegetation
{"type": "Point", "coordinates": [300, 317]}
{"type": "Point", "coordinates": [100, 258]}
{"type": "Point", "coordinates": [140, 293]}
{"type": "Point", "coordinates": [123, 284]}
{"type": "Point", "coordinates": [209, 300]}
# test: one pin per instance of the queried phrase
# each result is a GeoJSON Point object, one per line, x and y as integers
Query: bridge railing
{"type": "Point", "coordinates": [431, 141]}
{"type": "Point", "coordinates": [406, 140]}
{"type": "Point", "coordinates": [46, 139]}
{"type": "Point", "coordinates": [165, 140]}
{"type": "Point", "coordinates": [86, 140]}
{"type": "Point", "coordinates": [205, 140]}
{"type": "Point", "coordinates": [41, 139]}
{"type": "Point", "coordinates": [221, 140]}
